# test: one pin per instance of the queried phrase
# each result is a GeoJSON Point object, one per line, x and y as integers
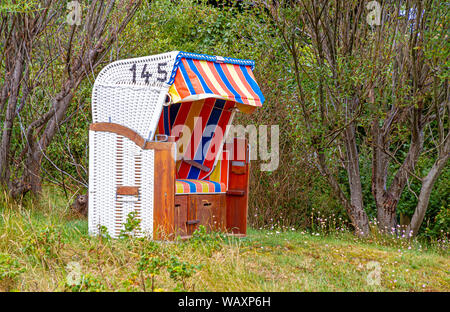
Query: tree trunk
{"type": "Point", "coordinates": [354, 178]}
{"type": "Point", "coordinates": [357, 215]}
{"type": "Point", "coordinates": [25, 34]}
{"type": "Point", "coordinates": [387, 213]}
{"type": "Point", "coordinates": [425, 192]}
{"type": "Point", "coordinates": [37, 148]}
{"type": "Point", "coordinates": [33, 170]}
{"type": "Point", "coordinates": [387, 200]}
{"type": "Point", "coordinates": [10, 115]}
{"type": "Point", "coordinates": [380, 162]}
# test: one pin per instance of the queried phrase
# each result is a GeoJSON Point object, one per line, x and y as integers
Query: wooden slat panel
{"type": "Point", "coordinates": [237, 196]}
{"type": "Point", "coordinates": [181, 214]}
{"type": "Point", "coordinates": [236, 192]}
{"type": "Point", "coordinates": [127, 190]}
{"type": "Point", "coordinates": [211, 211]}
{"type": "Point", "coordinates": [192, 214]}
{"type": "Point", "coordinates": [130, 134]}
{"type": "Point", "coordinates": [164, 194]}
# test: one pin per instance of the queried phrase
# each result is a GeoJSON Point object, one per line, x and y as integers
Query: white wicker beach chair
{"type": "Point", "coordinates": [131, 169]}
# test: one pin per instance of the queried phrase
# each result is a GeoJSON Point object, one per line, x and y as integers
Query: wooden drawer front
{"type": "Point", "coordinates": [210, 211]}
{"type": "Point", "coordinates": [192, 220]}
{"type": "Point", "coordinates": [181, 214]}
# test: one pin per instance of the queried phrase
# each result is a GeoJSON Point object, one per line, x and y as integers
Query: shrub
{"type": "Point", "coordinates": [9, 271]}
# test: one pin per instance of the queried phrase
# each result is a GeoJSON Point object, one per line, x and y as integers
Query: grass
{"type": "Point", "coordinates": [43, 247]}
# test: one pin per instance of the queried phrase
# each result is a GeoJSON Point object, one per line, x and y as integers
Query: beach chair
{"type": "Point", "coordinates": [160, 145]}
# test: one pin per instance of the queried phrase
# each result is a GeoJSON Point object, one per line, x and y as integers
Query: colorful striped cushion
{"type": "Point", "coordinates": [190, 186]}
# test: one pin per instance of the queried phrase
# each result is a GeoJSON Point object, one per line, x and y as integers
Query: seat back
{"type": "Point", "coordinates": [199, 128]}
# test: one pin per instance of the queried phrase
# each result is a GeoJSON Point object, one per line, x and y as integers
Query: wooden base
{"type": "Point", "coordinates": [217, 212]}
{"type": "Point", "coordinates": [194, 210]}
{"type": "Point", "coordinates": [186, 237]}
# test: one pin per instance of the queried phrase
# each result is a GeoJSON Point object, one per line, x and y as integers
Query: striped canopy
{"type": "Point", "coordinates": [197, 76]}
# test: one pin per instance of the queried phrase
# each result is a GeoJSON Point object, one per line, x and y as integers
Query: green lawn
{"type": "Point", "coordinates": [41, 249]}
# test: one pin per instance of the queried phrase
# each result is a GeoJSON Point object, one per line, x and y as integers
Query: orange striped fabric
{"type": "Point", "coordinates": [196, 77]}
{"type": "Point", "coordinates": [220, 172]}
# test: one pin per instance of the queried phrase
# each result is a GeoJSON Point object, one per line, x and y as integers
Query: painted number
{"type": "Point", "coordinates": [133, 69]}
{"type": "Point", "coordinates": [162, 71]}
{"type": "Point", "coordinates": [145, 74]}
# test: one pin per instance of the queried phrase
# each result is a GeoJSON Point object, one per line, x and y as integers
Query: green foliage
{"type": "Point", "coordinates": [87, 283]}
{"type": "Point", "coordinates": [205, 241]}
{"type": "Point", "coordinates": [21, 6]}
{"type": "Point", "coordinates": [10, 269]}
{"type": "Point", "coordinates": [285, 197]}
{"type": "Point", "coordinates": [103, 232]}
{"type": "Point", "coordinates": [439, 227]}
{"type": "Point", "coordinates": [263, 261]}
{"type": "Point", "coordinates": [131, 225]}
{"type": "Point", "coordinates": [44, 245]}
{"type": "Point", "coordinates": [153, 258]}
{"type": "Point", "coordinates": [181, 271]}
{"type": "Point", "coordinates": [150, 263]}
{"type": "Point", "coordinates": [194, 26]}
{"type": "Point", "coordinates": [327, 86]}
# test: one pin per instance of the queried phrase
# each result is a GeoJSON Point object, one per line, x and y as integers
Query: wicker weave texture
{"type": "Point", "coordinates": [131, 93]}
{"type": "Point", "coordinates": [125, 164]}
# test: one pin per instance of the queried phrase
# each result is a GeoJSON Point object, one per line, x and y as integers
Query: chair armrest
{"type": "Point", "coordinates": [130, 134]}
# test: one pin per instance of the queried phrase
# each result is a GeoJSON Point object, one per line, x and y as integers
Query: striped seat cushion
{"type": "Point", "coordinates": [191, 186]}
